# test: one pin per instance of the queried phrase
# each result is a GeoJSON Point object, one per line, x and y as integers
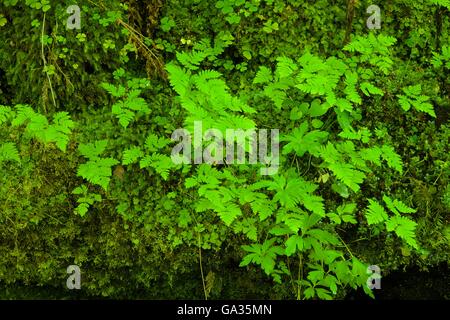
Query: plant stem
{"type": "Point", "coordinates": [45, 64]}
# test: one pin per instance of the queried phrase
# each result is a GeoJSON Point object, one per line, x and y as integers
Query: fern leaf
{"type": "Point", "coordinates": [80, 190]}
{"type": "Point", "coordinates": [264, 75]}
{"type": "Point", "coordinates": [62, 122]}
{"type": "Point", "coordinates": [404, 102]}
{"type": "Point", "coordinates": [82, 209]}
{"type": "Point", "coordinates": [97, 171]}
{"type": "Point", "coordinates": [413, 97]}
{"type": "Point", "coordinates": [375, 213]}
{"type": "Point", "coordinates": [5, 114]}
{"type": "Point", "coordinates": [392, 158]}
{"type": "Point", "coordinates": [369, 89]}
{"type": "Point", "coordinates": [9, 152]}
{"type": "Point", "coordinates": [390, 204]}
{"type": "Point", "coordinates": [276, 93]}
{"type": "Point", "coordinates": [131, 155]}
{"type": "Point", "coordinates": [344, 105]}
{"type": "Point", "coordinates": [421, 104]}
{"type": "Point", "coordinates": [124, 115]}
{"type": "Point", "coordinates": [404, 228]}
{"type": "Point", "coordinates": [263, 255]}
{"type": "Point", "coordinates": [372, 154]}
{"type": "Point", "coordinates": [263, 207]}
{"type": "Point", "coordinates": [313, 203]}
{"type": "Point", "coordinates": [37, 127]}
{"type": "Point", "coordinates": [191, 60]}
{"type": "Point", "coordinates": [93, 150]}
{"type": "Point", "coordinates": [113, 90]}
{"type": "Point", "coordinates": [151, 143]}
{"type": "Point", "coordinates": [347, 174]}
{"type": "Point", "coordinates": [294, 191]}
{"type": "Point", "coordinates": [137, 104]}
{"type": "Point", "coordinates": [229, 213]}
{"type": "Point", "coordinates": [324, 236]}
{"type": "Point", "coordinates": [205, 75]}
{"type": "Point", "coordinates": [285, 67]}
{"type": "Point", "coordinates": [351, 80]}
{"type": "Point", "coordinates": [154, 143]}
{"type": "Point", "coordinates": [403, 208]}
{"type": "Point", "coordinates": [161, 163]}
{"type": "Point", "coordinates": [59, 131]}
{"type": "Point", "coordinates": [23, 113]}
{"type": "Point", "coordinates": [179, 78]}
{"type": "Point", "coordinates": [396, 206]}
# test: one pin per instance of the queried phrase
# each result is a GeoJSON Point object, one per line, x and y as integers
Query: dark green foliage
{"type": "Point", "coordinates": [87, 177]}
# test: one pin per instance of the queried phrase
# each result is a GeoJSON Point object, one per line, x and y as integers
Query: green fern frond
{"type": "Point", "coordinates": [369, 89]}
{"type": "Point", "coordinates": [375, 213]}
{"type": "Point", "coordinates": [362, 134]}
{"type": "Point", "coordinates": [374, 50]}
{"type": "Point", "coordinates": [263, 207]}
{"type": "Point", "coordinates": [344, 105]}
{"type": "Point", "coordinates": [293, 191]}
{"type": "Point", "coordinates": [191, 60]}
{"type": "Point", "coordinates": [124, 115]}
{"type": "Point", "coordinates": [132, 155]}
{"type": "Point", "coordinates": [347, 174]}
{"type": "Point", "coordinates": [404, 228]}
{"type": "Point", "coordinates": [351, 80]}
{"type": "Point", "coordinates": [37, 126]}
{"type": "Point", "coordinates": [23, 113]}
{"type": "Point", "coordinates": [403, 208]}
{"type": "Point", "coordinates": [285, 67]}
{"type": "Point", "coordinates": [117, 92]}
{"type": "Point", "coordinates": [235, 122]}
{"type": "Point", "coordinates": [86, 200]}
{"type": "Point", "coordinates": [324, 236]}
{"type": "Point", "coordinates": [9, 152]}
{"type": "Point", "coordinates": [228, 212]}
{"type": "Point", "coordinates": [62, 122]}
{"type": "Point", "coordinates": [421, 104]}
{"type": "Point", "coordinates": [97, 171]}
{"type": "Point", "coordinates": [205, 75]}
{"type": "Point", "coordinates": [392, 158]}
{"type": "Point", "coordinates": [396, 206]}
{"type": "Point", "coordinates": [60, 130]}
{"type": "Point", "coordinates": [276, 93]}
{"type": "Point", "coordinates": [264, 75]}
{"type": "Point", "coordinates": [372, 154]}
{"type": "Point", "coordinates": [126, 108]}
{"type": "Point", "coordinates": [6, 113]}
{"type": "Point", "coordinates": [318, 77]}
{"type": "Point", "coordinates": [154, 143]}
{"type": "Point", "coordinates": [442, 60]}
{"type": "Point", "coordinates": [136, 103]}
{"type": "Point", "coordinates": [161, 163]}
{"type": "Point", "coordinates": [413, 97]}
{"type": "Point", "coordinates": [179, 78]}
{"type": "Point", "coordinates": [93, 150]}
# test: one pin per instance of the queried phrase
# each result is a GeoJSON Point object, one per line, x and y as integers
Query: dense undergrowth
{"type": "Point", "coordinates": [87, 116]}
